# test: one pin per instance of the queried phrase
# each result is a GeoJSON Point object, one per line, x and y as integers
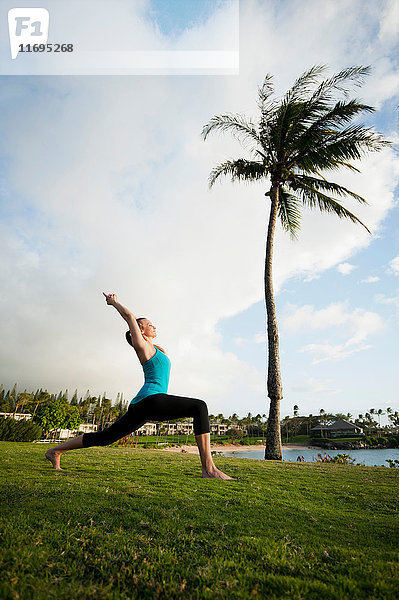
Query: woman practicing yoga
{"type": "Point", "coordinates": [151, 403]}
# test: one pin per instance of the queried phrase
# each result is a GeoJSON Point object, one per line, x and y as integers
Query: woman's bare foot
{"type": "Point", "coordinates": [54, 457]}
{"type": "Point", "coordinates": [214, 473]}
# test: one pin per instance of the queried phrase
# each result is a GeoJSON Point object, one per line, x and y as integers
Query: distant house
{"type": "Point", "coordinates": [87, 427]}
{"type": "Point", "coordinates": [166, 428]}
{"type": "Point", "coordinates": [16, 416]}
{"type": "Point", "coordinates": [218, 428]}
{"type": "Point", "coordinates": [147, 429]}
{"type": "Point", "coordinates": [340, 428]}
{"type": "Point", "coordinates": [185, 427]}
{"type": "Point", "coordinates": [64, 434]}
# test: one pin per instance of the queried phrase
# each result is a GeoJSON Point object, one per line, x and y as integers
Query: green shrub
{"type": "Point", "coordinates": [19, 431]}
{"type": "Point", "coordinates": [250, 442]}
{"type": "Point", "coordinates": [341, 459]}
{"type": "Point", "coordinates": [234, 434]}
{"type": "Point", "coordinates": [393, 441]}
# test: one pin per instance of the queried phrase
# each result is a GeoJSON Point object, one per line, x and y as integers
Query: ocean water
{"type": "Point", "coordinates": [368, 458]}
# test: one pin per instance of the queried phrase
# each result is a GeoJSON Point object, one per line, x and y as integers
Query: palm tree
{"type": "Point", "coordinates": [379, 413]}
{"type": "Point", "coordinates": [40, 398]}
{"type": "Point", "coordinates": [295, 140]}
{"type": "Point", "coordinates": [285, 423]}
{"type": "Point", "coordinates": [310, 417]}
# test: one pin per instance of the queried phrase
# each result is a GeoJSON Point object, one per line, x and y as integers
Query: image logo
{"type": "Point", "coordinates": [27, 26]}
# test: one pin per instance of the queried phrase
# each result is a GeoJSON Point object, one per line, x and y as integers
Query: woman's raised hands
{"type": "Point", "coordinates": [110, 298]}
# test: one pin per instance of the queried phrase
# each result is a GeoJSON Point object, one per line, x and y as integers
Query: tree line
{"type": "Point", "coordinates": [368, 421]}
{"type": "Point", "coordinates": [56, 411]}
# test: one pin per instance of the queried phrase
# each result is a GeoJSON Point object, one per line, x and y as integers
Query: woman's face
{"type": "Point", "coordinates": [148, 329]}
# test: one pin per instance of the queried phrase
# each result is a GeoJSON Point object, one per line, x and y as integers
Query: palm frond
{"type": "Point", "coordinates": [314, 113]}
{"type": "Point", "coordinates": [265, 91]}
{"type": "Point", "coordinates": [289, 212]}
{"type": "Point", "coordinates": [292, 105]}
{"type": "Point", "coordinates": [287, 125]}
{"type": "Point", "coordinates": [315, 199]}
{"type": "Point", "coordinates": [342, 163]}
{"type": "Point", "coordinates": [341, 81]}
{"type": "Point", "coordinates": [337, 147]}
{"type": "Point", "coordinates": [303, 84]}
{"type": "Point", "coordinates": [325, 124]}
{"type": "Point", "coordinates": [266, 104]}
{"type": "Point", "coordinates": [240, 127]}
{"type": "Point", "coordinates": [323, 185]}
{"type": "Point", "coordinates": [240, 169]}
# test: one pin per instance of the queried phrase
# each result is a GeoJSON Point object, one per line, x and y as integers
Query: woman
{"type": "Point", "coordinates": [151, 403]}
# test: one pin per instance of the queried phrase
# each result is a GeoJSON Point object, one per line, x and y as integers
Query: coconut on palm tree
{"type": "Point", "coordinates": [298, 137]}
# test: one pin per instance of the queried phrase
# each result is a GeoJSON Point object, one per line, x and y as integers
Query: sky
{"type": "Point", "coordinates": [104, 187]}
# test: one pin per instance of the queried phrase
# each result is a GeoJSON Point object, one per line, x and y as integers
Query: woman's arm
{"type": "Point", "coordinates": [128, 316]}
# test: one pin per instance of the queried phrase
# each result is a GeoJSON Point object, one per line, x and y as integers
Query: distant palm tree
{"type": "Point", "coordinates": [310, 417]}
{"type": "Point", "coordinates": [285, 424]}
{"type": "Point", "coordinates": [379, 413]}
{"type": "Point", "coordinates": [294, 141]}
{"type": "Point", "coordinates": [394, 418]}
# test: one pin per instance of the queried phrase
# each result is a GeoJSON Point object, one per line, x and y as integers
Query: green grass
{"type": "Point", "coordinates": [190, 439]}
{"type": "Point", "coordinates": [142, 524]}
{"type": "Point", "coordinates": [298, 439]}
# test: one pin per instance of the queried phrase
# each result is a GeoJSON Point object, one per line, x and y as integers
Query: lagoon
{"type": "Point", "coordinates": [368, 458]}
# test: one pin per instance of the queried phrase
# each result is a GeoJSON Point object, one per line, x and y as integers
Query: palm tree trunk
{"type": "Point", "coordinates": [274, 384]}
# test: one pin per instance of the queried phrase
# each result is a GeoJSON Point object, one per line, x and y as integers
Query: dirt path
{"type": "Point", "coordinates": [185, 449]}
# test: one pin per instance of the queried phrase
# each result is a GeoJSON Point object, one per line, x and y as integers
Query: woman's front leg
{"type": "Point", "coordinates": [209, 469]}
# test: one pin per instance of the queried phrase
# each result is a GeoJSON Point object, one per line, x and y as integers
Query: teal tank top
{"type": "Point", "coordinates": [156, 376]}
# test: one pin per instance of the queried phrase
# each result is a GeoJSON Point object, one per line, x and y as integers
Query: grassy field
{"type": "Point", "coordinates": [132, 523]}
{"type": "Point", "coordinates": [297, 439]}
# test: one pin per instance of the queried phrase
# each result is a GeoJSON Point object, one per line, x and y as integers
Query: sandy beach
{"type": "Point", "coordinates": [231, 448]}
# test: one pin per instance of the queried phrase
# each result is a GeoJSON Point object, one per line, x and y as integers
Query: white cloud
{"type": "Point", "coordinates": [345, 268]}
{"type": "Point", "coordinates": [329, 352]}
{"type": "Point", "coordinates": [389, 23]}
{"type": "Point", "coordinates": [370, 279]}
{"type": "Point", "coordinates": [359, 322]}
{"type": "Point", "coordinates": [382, 299]}
{"type": "Point", "coordinates": [311, 277]}
{"type": "Point", "coordinates": [391, 301]}
{"type": "Point", "coordinates": [306, 317]}
{"type": "Point", "coordinates": [394, 266]}
{"type": "Point", "coordinates": [260, 338]}
{"type": "Point", "coordinates": [316, 386]}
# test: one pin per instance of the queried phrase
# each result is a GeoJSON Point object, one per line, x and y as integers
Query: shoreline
{"type": "Point", "coordinates": [186, 449]}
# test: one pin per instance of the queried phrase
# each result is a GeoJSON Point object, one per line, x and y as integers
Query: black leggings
{"type": "Point", "coordinates": [157, 407]}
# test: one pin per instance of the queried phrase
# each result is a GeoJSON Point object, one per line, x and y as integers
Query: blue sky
{"type": "Point", "coordinates": [104, 187]}
{"type": "Point", "coordinates": [175, 16]}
